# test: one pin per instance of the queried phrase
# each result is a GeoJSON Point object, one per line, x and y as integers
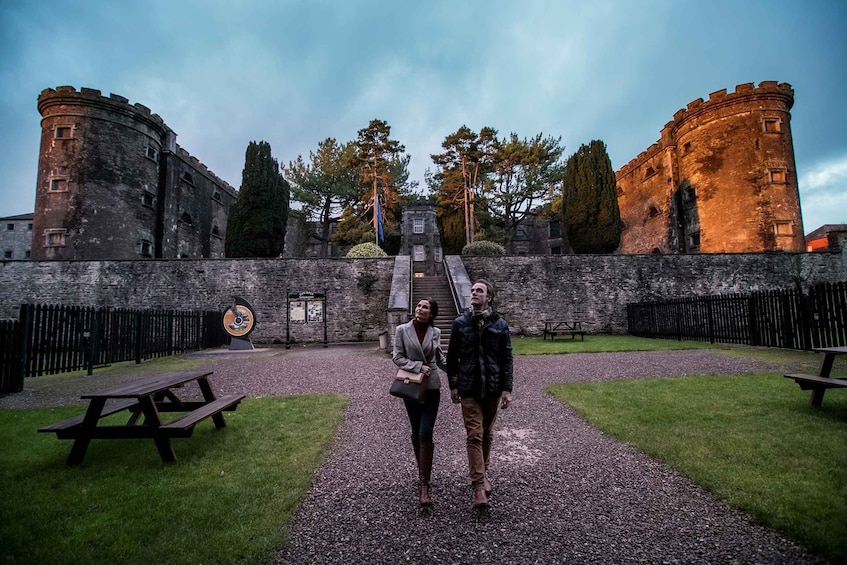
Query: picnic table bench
{"type": "Point", "coordinates": [148, 398]}
{"type": "Point", "coordinates": [819, 383]}
{"type": "Point", "coordinates": [572, 328]}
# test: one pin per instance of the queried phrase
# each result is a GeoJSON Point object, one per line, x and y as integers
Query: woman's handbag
{"type": "Point", "coordinates": [409, 385]}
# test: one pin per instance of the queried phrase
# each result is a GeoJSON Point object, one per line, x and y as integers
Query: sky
{"type": "Point", "coordinates": [295, 72]}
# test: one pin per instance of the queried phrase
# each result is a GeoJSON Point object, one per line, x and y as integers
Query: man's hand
{"type": "Point", "coordinates": [454, 396]}
{"type": "Point", "coordinates": [505, 400]}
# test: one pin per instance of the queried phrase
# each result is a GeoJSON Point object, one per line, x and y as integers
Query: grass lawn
{"type": "Point", "coordinates": [753, 440]}
{"type": "Point", "coordinates": [599, 343]}
{"type": "Point", "coordinates": [228, 498]}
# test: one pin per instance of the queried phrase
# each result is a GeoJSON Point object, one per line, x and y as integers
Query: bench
{"type": "Point", "coordinates": [184, 426]}
{"type": "Point", "coordinates": [76, 421]}
{"type": "Point", "coordinates": [817, 385]}
{"type": "Point", "coordinates": [573, 329]}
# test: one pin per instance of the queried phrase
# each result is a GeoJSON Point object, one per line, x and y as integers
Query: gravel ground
{"type": "Point", "coordinates": [563, 491]}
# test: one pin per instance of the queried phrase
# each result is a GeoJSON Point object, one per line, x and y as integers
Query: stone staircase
{"type": "Point", "coordinates": [437, 288]}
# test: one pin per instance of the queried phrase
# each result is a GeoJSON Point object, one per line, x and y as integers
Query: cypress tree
{"type": "Point", "coordinates": [590, 210]}
{"type": "Point", "coordinates": [257, 221]}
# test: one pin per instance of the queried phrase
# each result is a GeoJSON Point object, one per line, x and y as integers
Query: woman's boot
{"type": "Point", "coordinates": [425, 471]}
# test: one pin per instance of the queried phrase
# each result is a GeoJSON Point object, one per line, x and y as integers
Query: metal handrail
{"type": "Point", "coordinates": [452, 286]}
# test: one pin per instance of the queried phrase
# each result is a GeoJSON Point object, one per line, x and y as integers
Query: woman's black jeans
{"type": "Point", "coordinates": [422, 415]}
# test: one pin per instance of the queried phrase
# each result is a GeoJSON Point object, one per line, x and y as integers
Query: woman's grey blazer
{"type": "Point", "coordinates": [410, 354]}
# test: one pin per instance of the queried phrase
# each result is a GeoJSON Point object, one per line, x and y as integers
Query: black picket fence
{"type": "Point", "coordinates": [48, 339]}
{"type": "Point", "coordinates": [789, 319]}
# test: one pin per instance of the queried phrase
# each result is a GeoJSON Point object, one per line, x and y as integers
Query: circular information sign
{"type": "Point", "coordinates": [239, 320]}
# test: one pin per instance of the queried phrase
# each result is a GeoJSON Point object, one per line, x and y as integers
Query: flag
{"type": "Point", "coordinates": [379, 221]}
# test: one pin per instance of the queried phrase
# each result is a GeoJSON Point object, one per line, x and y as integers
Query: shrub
{"type": "Point", "coordinates": [483, 248]}
{"type": "Point", "coordinates": [366, 250]}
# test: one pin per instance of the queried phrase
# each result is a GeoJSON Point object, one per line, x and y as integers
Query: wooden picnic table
{"type": "Point", "coordinates": [148, 398]}
{"type": "Point", "coordinates": [564, 327]}
{"type": "Point", "coordinates": [819, 383]}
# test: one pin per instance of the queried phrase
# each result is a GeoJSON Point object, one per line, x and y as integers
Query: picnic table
{"type": "Point", "coordinates": [819, 383]}
{"type": "Point", "coordinates": [148, 398]}
{"type": "Point", "coordinates": [564, 327]}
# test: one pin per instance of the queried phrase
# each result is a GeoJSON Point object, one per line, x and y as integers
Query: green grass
{"type": "Point", "coordinates": [599, 343]}
{"type": "Point", "coordinates": [753, 440]}
{"type": "Point", "coordinates": [228, 498]}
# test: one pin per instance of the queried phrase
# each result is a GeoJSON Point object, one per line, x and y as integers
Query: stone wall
{"type": "Point", "coordinates": [530, 289]}
{"type": "Point", "coordinates": [354, 312]}
{"type": "Point", "coordinates": [597, 288]}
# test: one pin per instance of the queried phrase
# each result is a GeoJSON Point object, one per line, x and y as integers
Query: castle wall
{"type": "Point", "coordinates": [721, 179]}
{"type": "Point", "coordinates": [530, 289]}
{"type": "Point", "coordinates": [109, 184]}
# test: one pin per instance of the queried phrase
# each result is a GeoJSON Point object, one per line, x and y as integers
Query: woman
{"type": "Point", "coordinates": [417, 348]}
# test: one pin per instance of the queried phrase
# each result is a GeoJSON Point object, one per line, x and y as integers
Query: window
{"type": "Point", "coordinates": [419, 253]}
{"type": "Point", "coordinates": [778, 176]}
{"type": "Point", "coordinates": [653, 212]}
{"type": "Point", "coordinates": [783, 227]}
{"type": "Point", "coordinates": [58, 184]}
{"type": "Point", "coordinates": [54, 237]}
{"type": "Point", "coordinates": [216, 196]}
{"type": "Point", "coordinates": [152, 153]}
{"type": "Point", "coordinates": [417, 225]}
{"type": "Point", "coordinates": [10, 227]}
{"type": "Point", "coordinates": [63, 132]}
{"type": "Point", "coordinates": [186, 217]}
{"type": "Point", "coordinates": [188, 178]}
{"type": "Point", "coordinates": [29, 227]}
{"type": "Point", "coordinates": [772, 125]}
{"type": "Point", "coordinates": [216, 231]}
{"type": "Point", "coordinates": [686, 147]}
{"type": "Point", "coordinates": [7, 254]}
{"type": "Point", "coordinates": [555, 229]}
{"type": "Point", "coordinates": [437, 254]}
{"type": "Point", "coordinates": [26, 255]}
{"type": "Point", "coordinates": [649, 172]}
{"type": "Point", "coordinates": [556, 250]}
{"type": "Point", "coordinates": [146, 248]}
{"type": "Point", "coordinates": [147, 199]}
{"type": "Point", "coordinates": [694, 240]}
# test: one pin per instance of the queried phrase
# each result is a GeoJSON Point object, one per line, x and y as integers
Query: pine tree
{"type": "Point", "coordinates": [257, 222]}
{"type": "Point", "coordinates": [589, 204]}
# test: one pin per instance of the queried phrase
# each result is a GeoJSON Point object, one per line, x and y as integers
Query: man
{"type": "Point", "coordinates": [479, 369]}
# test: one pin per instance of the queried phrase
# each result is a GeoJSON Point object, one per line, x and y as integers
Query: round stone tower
{"type": "Point", "coordinates": [98, 180]}
{"type": "Point", "coordinates": [721, 179]}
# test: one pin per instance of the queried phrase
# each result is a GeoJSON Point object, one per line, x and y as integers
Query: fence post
{"type": "Point", "coordinates": [92, 341]}
{"type": "Point", "coordinates": [711, 318]}
{"type": "Point", "coordinates": [138, 333]}
{"type": "Point", "coordinates": [25, 352]}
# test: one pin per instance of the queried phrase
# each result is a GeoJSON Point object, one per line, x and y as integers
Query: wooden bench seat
{"type": "Point", "coordinates": [184, 426]}
{"type": "Point", "coordinates": [808, 382]}
{"type": "Point", "coordinates": [70, 423]}
{"type": "Point", "coordinates": [817, 384]}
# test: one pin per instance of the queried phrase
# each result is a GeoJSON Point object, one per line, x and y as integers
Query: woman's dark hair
{"type": "Point", "coordinates": [433, 309]}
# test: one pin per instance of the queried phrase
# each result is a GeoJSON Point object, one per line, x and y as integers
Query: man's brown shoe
{"type": "Point", "coordinates": [480, 499]}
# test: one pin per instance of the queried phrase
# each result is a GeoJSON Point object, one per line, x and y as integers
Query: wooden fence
{"type": "Point", "coordinates": [49, 339]}
{"type": "Point", "coordinates": [788, 319]}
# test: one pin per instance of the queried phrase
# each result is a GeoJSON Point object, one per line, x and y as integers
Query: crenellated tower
{"type": "Point", "coordinates": [113, 184]}
{"type": "Point", "coordinates": [721, 178]}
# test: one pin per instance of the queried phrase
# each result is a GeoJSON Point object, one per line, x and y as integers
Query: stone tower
{"type": "Point", "coordinates": [721, 179]}
{"type": "Point", "coordinates": [113, 184]}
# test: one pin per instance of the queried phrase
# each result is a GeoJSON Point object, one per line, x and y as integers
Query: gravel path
{"type": "Point", "coordinates": [563, 491]}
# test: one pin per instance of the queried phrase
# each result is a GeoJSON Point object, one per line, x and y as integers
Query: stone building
{"type": "Point", "coordinates": [420, 239]}
{"type": "Point", "coordinates": [16, 236]}
{"type": "Point", "coordinates": [113, 184]}
{"type": "Point", "coordinates": [721, 179]}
